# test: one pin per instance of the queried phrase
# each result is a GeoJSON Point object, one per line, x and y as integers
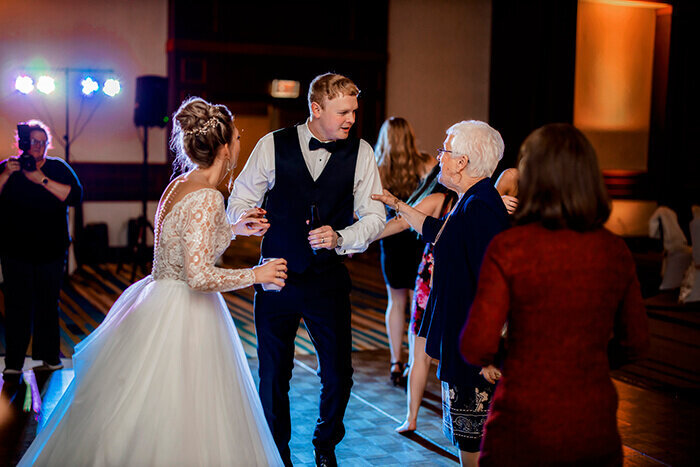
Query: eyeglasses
{"type": "Point", "coordinates": [441, 151]}
{"type": "Point", "coordinates": [37, 142]}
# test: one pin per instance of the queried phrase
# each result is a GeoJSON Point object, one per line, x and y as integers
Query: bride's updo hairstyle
{"type": "Point", "coordinates": [199, 130]}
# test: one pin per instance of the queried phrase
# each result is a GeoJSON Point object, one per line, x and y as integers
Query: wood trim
{"type": "Point", "coordinates": [627, 184]}
{"type": "Point", "coordinates": [214, 47]}
{"type": "Point", "coordinates": [191, 61]}
{"type": "Point", "coordinates": [121, 182]}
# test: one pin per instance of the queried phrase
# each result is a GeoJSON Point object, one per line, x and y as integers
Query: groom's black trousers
{"type": "Point", "coordinates": [322, 299]}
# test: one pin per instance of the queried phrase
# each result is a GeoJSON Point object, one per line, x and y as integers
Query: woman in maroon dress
{"type": "Point", "coordinates": [568, 291]}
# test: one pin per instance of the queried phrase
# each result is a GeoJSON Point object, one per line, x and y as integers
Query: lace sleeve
{"type": "Point", "coordinates": [205, 221]}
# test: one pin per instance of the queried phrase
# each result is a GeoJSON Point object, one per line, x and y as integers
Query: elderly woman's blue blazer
{"type": "Point", "coordinates": [479, 215]}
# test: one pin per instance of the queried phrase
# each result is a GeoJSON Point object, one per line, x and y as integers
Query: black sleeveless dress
{"type": "Point", "coordinates": [401, 254]}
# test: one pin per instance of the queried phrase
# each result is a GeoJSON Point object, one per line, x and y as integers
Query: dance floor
{"type": "Point", "coordinates": [658, 415]}
{"type": "Point", "coordinates": [656, 430]}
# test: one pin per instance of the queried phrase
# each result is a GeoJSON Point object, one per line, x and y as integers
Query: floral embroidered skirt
{"type": "Point", "coordinates": [464, 412]}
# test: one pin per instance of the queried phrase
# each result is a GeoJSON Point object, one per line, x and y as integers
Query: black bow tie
{"type": "Point", "coordinates": [330, 146]}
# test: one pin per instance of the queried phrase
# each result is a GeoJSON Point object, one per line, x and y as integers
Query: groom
{"type": "Point", "coordinates": [291, 172]}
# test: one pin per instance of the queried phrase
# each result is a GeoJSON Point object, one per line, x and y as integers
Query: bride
{"type": "Point", "coordinates": [164, 379]}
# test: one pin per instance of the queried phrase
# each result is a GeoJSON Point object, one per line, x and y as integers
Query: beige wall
{"type": "Point", "coordinates": [127, 36]}
{"type": "Point", "coordinates": [439, 59]}
{"type": "Point", "coordinates": [612, 97]}
{"type": "Point", "coordinates": [630, 218]}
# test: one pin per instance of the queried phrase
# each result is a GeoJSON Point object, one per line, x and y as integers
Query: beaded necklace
{"type": "Point", "coordinates": [439, 234]}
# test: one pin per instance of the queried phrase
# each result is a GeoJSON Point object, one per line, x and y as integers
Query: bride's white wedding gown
{"type": "Point", "coordinates": [164, 381]}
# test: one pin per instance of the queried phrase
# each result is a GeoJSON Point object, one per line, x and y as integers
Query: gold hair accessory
{"type": "Point", "coordinates": [203, 129]}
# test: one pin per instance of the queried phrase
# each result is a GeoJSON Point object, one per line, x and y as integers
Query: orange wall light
{"type": "Point", "coordinates": [613, 82]}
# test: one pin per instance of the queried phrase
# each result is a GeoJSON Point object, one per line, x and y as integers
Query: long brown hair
{"type": "Point", "coordinates": [560, 183]}
{"type": "Point", "coordinates": [400, 162]}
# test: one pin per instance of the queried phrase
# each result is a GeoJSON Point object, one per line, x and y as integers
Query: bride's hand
{"type": "Point", "coordinates": [274, 271]}
{"type": "Point", "coordinates": [251, 222]}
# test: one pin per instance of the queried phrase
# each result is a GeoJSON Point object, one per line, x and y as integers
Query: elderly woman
{"type": "Point", "coordinates": [469, 156]}
{"type": "Point", "coordinates": [569, 292]}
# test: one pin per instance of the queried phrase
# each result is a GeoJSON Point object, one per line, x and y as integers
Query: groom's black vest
{"type": "Point", "coordinates": [289, 202]}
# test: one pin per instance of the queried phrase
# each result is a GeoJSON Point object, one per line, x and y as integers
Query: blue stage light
{"type": "Point", "coordinates": [46, 84]}
{"type": "Point", "coordinates": [111, 87]}
{"type": "Point", "coordinates": [24, 84]}
{"type": "Point", "coordinates": [89, 86]}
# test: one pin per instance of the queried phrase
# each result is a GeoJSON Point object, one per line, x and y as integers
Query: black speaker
{"type": "Point", "coordinates": [151, 101]}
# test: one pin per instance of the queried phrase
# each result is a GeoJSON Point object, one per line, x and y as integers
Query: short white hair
{"type": "Point", "coordinates": [481, 143]}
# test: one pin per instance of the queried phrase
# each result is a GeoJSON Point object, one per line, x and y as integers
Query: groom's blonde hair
{"type": "Point", "coordinates": [329, 86]}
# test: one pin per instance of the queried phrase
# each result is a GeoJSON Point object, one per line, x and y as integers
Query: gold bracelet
{"type": "Point", "coordinates": [396, 208]}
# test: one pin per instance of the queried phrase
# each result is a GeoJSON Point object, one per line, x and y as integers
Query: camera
{"type": "Point", "coordinates": [26, 160]}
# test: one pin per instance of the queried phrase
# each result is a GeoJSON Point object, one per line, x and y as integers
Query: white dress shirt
{"type": "Point", "coordinates": [258, 177]}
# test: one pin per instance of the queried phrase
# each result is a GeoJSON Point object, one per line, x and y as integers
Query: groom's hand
{"type": "Point", "coordinates": [323, 237]}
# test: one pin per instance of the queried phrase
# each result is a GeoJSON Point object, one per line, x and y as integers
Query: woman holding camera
{"type": "Point", "coordinates": [35, 192]}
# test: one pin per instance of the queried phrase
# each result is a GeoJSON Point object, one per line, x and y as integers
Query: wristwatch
{"type": "Point", "coordinates": [45, 181]}
{"type": "Point", "coordinates": [339, 242]}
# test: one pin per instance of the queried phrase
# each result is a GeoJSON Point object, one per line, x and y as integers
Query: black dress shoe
{"type": "Point", "coordinates": [325, 458]}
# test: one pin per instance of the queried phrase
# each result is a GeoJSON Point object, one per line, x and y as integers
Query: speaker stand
{"type": "Point", "coordinates": [139, 250]}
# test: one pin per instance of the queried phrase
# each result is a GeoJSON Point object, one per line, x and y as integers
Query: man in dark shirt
{"type": "Point", "coordinates": [34, 243]}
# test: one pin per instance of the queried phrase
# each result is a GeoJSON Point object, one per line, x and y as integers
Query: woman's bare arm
{"type": "Point", "coordinates": [507, 183]}
{"type": "Point", "coordinates": [430, 205]}
{"type": "Point", "coordinates": [413, 216]}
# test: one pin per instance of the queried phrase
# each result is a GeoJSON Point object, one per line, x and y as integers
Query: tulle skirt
{"type": "Point", "coordinates": [163, 381]}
